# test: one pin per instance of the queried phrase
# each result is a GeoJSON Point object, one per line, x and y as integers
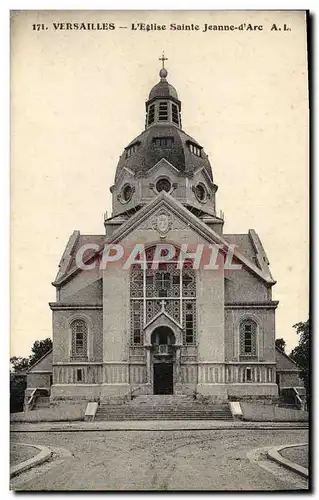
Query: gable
{"type": "Point", "coordinates": [76, 242]}
{"type": "Point", "coordinates": [284, 362]}
{"type": "Point", "coordinates": [162, 167]}
{"type": "Point", "coordinates": [201, 174]}
{"type": "Point", "coordinates": [243, 243]}
{"type": "Point", "coordinates": [44, 365]}
{"type": "Point", "coordinates": [187, 219]}
{"type": "Point", "coordinates": [184, 220]}
{"type": "Point", "coordinates": [125, 173]}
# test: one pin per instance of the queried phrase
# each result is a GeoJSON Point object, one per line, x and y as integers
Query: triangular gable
{"type": "Point", "coordinates": [202, 170]}
{"type": "Point", "coordinates": [66, 258]}
{"type": "Point", "coordinates": [163, 163]}
{"type": "Point", "coordinates": [124, 174]}
{"type": "Point", "coordinates": [163, 319]}
{"type": "Point", "coordinates": [160, 314]}
{"type": "Point", "coordinates": [43, 364]}
{"type": "Point", "coordinates": [284, 362]}
{"type": "Point", "coordinates": [261, 256]}
{"type": "Point", "coordinates": [164, 200]}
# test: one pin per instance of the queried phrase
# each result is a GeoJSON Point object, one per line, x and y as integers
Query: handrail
{"type": "Point", "coordinates": [298, 398]}
{"type": "Point", "coordinates": [163, 349]}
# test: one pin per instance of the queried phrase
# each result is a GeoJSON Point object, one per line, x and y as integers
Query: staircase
{"type": "Point", "coordinates": [163, 408]}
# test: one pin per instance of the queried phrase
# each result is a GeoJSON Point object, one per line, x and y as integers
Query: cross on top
{"type": "Point", "coordinates": [163, 59]}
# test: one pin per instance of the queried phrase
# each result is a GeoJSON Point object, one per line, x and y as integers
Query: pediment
{"type": "Point", "coordinates": [164, 211]}
{"type": "Point", "coordinates": [161, 166]}
{"type": "Point", "coordinates": [202, 171]}
{"type": "Point", "coordinates": [162, 214]}
{"type": "Point", "coordinates": [124, 175]}
{"type": "Point", "coordinates": [162, 221]}
{"type": "Point", "coordinates": [163, 319]}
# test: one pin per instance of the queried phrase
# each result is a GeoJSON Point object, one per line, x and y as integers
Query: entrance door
{"type": "Point", "coordinates": [163, 378]}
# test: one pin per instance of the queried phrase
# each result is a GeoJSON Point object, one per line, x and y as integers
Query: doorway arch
{"type": "Point", "coordinates": [163, 335]}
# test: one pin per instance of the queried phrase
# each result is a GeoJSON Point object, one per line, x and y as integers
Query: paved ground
{"type": "Point", "coordinates": [298, 454]}
{"type": "Point", "coordinates": [20, 453]}
{"type": "Point", "coordinates": [160, 460]}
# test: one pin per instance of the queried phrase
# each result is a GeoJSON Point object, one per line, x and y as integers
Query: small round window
{"type": "Point", "coordinates": [200, 192]}
{"type": "Point", "coordinates": [163, 185]}
{"type": "Point", "coordinates": [127, 193]}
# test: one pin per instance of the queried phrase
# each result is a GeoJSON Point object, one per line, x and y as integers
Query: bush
{"type": "Point", "coordinates": [18, 385]}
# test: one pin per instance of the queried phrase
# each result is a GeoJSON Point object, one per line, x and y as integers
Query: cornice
{"type": "Point", "coordinates": [59, 306]}
{"type": "Point", "coordinates": [272, 304]}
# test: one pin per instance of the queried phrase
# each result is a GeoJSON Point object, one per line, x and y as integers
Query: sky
{"type": "Point", "coordinates": [78, 98]}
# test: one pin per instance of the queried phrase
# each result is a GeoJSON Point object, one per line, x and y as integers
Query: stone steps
{"type": "Point", "coordinates": [162, 398]}
{"type": "Point", "coordinates": [162, 409]}
{"type": "Point", "coordinates": [100, 416]}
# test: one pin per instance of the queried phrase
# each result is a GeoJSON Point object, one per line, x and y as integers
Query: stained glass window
{"type": "Point", "coordinates": [163, 185]}
{"type": "Point", "coordinates": [150, 286]}
{"type": "Point", "coordinates": [248, 338]}
{"type": "Point", "coordinates": [79, 338]}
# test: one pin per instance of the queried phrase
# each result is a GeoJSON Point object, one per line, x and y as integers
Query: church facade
{"type": "Point", "coordinates": [164, 302]}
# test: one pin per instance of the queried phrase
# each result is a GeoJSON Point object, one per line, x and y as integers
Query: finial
{"type": "Point", "coordinates": [163, 72]}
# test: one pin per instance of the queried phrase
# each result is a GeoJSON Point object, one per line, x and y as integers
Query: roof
{"type": "Point", "coordinates": [44, 363]}
{"type": "Point", "coordinates": [163, 89]}
{"type": "Point", "coordinates": [285, 362]}
{"type": "Point", "coordinates": [243, 242]}
{"type": "Point", "coordinates": [149, 152]}
{"type": "Point", "coordinates": [76, 241]}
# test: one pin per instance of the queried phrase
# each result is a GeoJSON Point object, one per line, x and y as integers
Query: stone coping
{"type": "Point", "coordinates": [274, 454]}
{"type": "Point", "coordinates": [43, 455]}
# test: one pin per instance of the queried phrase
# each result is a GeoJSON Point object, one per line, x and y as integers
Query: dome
{"type": "Point", "coordinates": [163, 89]}
{"type": "Point", "coordinates": [147, 151]}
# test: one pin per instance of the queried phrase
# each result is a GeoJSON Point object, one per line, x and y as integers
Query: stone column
{"type": "Point", "coordinates": [149, 378]}
{"type": "Point", "coordinates": [177, 385]}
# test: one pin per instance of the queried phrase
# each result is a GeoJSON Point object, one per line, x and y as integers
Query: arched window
{"type": "Point", "coordinates": [168, 288]}
{"type": "Point", "coordinates": [248, 338]}
{"type": "Point", "coordinates": [79, 338]}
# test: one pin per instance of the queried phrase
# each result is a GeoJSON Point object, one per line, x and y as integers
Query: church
{"type": "Point", "coordinates": [163, 302]}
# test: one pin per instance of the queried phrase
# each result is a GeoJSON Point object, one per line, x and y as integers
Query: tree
{"type": "Point", "coordinates": [301, 353]}
{"type": "Point", "coordinates": [281, 344]}
{"type": "Point", "coordinates": [19, 367]}
{"type": "Point", "coordinates": [19, 364]}
{"type": "Point", "coordinates": [39, 349]}
{"type": "Point", "coordinates": [18, 386]}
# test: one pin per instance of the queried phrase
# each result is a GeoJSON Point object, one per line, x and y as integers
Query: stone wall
{"type": "Point", "coordinates": [62, 333]}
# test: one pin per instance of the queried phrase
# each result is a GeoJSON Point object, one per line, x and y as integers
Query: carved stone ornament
{"type": "Point", "coordinates": [163, 223]}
